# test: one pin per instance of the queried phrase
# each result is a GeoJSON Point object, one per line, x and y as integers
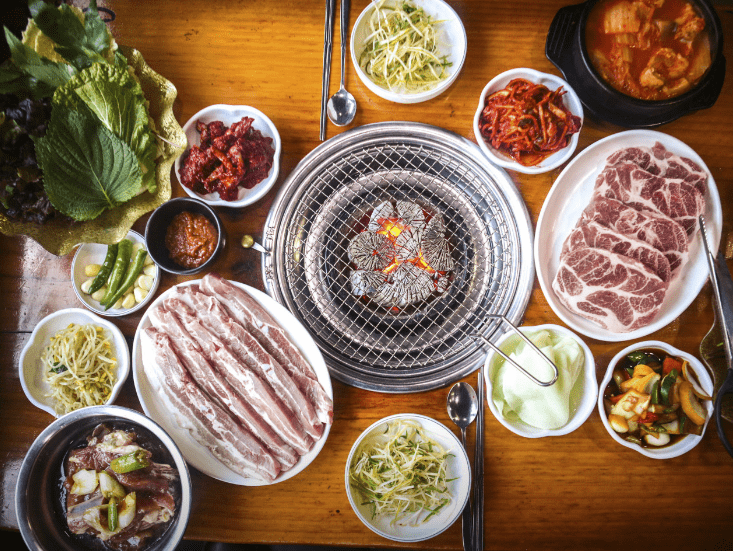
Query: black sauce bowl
{"type": "Point", "coordinates": [565, 48]}
{"type": "Point", "coordinates": [158, 223]}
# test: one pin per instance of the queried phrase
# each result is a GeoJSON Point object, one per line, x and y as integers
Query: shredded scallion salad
{"type": "Point", "coordinates": [79, 364]}
{"type": "Point", "coordinates": [400, 52]}
{"type": "Point", "coordinates": [402, 472]}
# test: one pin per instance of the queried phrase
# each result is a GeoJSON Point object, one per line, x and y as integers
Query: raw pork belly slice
{"type": "Point", "coordinates": [674, 198]}
{"type": "Point", "coordinates": [594, 235]}
{"type": "Point", "coordinates": [210, 425]}
{"type": "Point", "coordinates": [615, 291]}
{"type": "Point", "coordinates": [661, 162]}
{"type": "Point", "coordinates": [662, 233]}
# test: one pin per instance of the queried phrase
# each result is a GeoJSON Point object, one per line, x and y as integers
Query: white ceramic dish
{"type": "Point", "coordinates": [583, 396]}
{"type": "Point", "coordinates": [450, 38]}
{"type": "Point", "coordinates": [570, 99]}
{"type": "Point", "coordinates": [688, 442]}
{"type": "Point", "coordinates": [94, 253]}
{"type": "Point", "coordinates": [31, 368]}
{"type": "Point", "coordinates": [155, 406]}
{"type": "Point", "coordinates": [571, 193]}
{"type": "Point", "coordinates": [458, 468]}
{"type": "Point", "coordinates": [230, 114]}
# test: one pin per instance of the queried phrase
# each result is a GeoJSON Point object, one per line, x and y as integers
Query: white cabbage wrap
{"type": "Point", "coordinates": [518, 398]}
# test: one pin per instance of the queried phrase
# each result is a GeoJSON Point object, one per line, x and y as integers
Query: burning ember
{"type": "Point", "coordinates": [402, 257]}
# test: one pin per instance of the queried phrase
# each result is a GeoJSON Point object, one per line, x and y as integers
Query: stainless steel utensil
{"type": "Point", "coordinates": [342, 105]}
{"type": "Point", "coordinates": [462, 409]}
{"type": "Point", "coordinates": [723, 291]}
{"type": "Point", "coordinates": [478, 469]}
{"type": "Point", "coordinates": [327, 50]}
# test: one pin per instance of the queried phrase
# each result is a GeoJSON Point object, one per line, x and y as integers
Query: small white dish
{"type": "Point", "coordinates": [229, 114]}
{"type": "Point", "coordinates": [450, 38]}
{"type": "Point", "coordinates": [688, 442]}
{"type": "Point", "coordinates": [570, 99]}
{"type": "Point", "coordinates": [583, 395]}
{"type": "Point", "coordinates": [31, 367]}
{"type": "Point", "coordinates": [458, 468]}
{"type": "Point", "coordinates": [94, 253]}
{"type": "Point", "coordinates": [570, 195]}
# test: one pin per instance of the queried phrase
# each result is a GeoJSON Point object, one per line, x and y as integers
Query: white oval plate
{"type": "Point", "coordinates": [229, 114]}
{"type": "Point", "coordinates": [31, 368]}
{"type": "Point", "coordinates": [155, 405]}
{"type": "Point", "coordinates": [460, 488]}
{"type": "Point", "coordinates": [94, 253]}
{"type": "Point", "coordinates": [571, 193]}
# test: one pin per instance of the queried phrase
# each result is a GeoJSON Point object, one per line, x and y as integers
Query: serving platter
{"type": "Point", "coordinates": [571, 193]}
{"type": "Point", "coordinates": [156, 407]}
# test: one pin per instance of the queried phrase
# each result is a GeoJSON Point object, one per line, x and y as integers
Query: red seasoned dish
{"type": "Point", "coordinates": [227, 159]}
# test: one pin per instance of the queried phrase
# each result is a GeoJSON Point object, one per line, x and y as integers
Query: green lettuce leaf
{"type": "Point", "coordinates": [117, 99]}
{"type": "Point", "coordinates": [86, 168]}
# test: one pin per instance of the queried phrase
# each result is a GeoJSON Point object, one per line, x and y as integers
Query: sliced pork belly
{"type": "Point", "coordinates": [594, 235]}
{"type": "Point", "coordinates": [642, 190]}
{"type": "Point", "coordinates": [615, 291]}
{"type": "Point", "coordinates": [662, 233]}
{"type": "Point", "coordinates": [210, 425]}
{"type": "Point", "coordinates": [252, 356]}
{"type": "Point", "coordinates": [661, 162]}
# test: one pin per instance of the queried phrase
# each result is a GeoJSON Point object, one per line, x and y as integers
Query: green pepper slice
{"type": "Point", "coordinates": [112, 515]}
{"type": "Point", "coordinates": [666, 387]}
{"type": "Point", "coordinates": [130, 462]}
{"type": "Point", "coordinates": [655, 392]}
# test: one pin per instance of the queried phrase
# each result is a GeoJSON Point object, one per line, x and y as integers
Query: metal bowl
{"type": "Point", "coordinates": [565, 47]}
{"type": "Point", "coordinates": [39, 503]}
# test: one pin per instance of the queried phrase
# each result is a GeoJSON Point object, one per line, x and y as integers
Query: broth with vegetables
{"type": "Point", "coordinates": [653, 399]}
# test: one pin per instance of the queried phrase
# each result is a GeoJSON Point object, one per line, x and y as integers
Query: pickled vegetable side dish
{"type": "Point", "coordinates": [654, 399]}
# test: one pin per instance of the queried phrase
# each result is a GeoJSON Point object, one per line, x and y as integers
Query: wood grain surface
{"type": "Point", "coordinates": [579, 491]}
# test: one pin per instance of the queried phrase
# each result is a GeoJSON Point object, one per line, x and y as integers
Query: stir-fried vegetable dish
{"type": "Point", "coordinates": [401, 52]}
{"type": "Point", "coordinates": [527, 121]}
{"type": "Point", "coordinates": [402, 472]}
{"type": "Point", "coordinates": [653, 399]}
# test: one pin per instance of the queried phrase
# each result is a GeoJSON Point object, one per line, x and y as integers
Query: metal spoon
{"type": "Point", "coordinates": [462, 409]}
{"type": "Point", "coordinates": [341, 107]}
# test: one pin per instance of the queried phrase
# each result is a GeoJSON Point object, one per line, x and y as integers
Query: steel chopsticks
{"type": "Point", "coordinates": [478, 469]}
{"type": "Point", "coordinates": [327, 50]}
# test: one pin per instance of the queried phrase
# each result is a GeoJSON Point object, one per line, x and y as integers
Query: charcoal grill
{"type": "Point", "coordinates": [323, 204]}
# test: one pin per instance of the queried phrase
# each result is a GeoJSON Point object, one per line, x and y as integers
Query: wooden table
{"type": "Point", "coordinates": [582, 490]}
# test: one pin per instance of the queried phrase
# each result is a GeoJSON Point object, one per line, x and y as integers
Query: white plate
{"type": "Point", "coordinates": [571, 193]}
{"type": "Point", "coordinates": [196, 454]}
{"type": "Point", "coordinates": [31, 367]}
{"type": "Point", "coordinates": [229, 114]}
{"type": "Point", "coordinates": [459, 468]}
{"type": "Point", "coordinates": [450, 38]}
{"type": "Point", "coordinates": [94, 253]}
{"type": "Point", "coordinates": [570, 99]}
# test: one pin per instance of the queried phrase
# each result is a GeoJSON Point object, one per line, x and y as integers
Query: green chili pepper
{"type": "Point", "coordinates": [130, 462]}
{"type": "Point", "coordinates": [101, 278]}
{"type": "Point", "coordinates": [655, 392]}
{"type": "Point", "coordinates": [683, 422]}
{"type": "Point", "coordinates": [666, 386]}
{"type": "Point", "coordinates": [112, 515]}
{"type": "Point", "coordinates": [133, 271]}
{"type": "Point", "coordinates": [118, 271]}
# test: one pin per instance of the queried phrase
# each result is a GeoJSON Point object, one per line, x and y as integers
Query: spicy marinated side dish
{"type": "Point", "coordinates": [653, 399]}
{"type": "Point", "coordinates": [227, 159]}
{"type": "Point", "coordinates": [191, 239]}
{"type": "Point", "coordinates": [527, 121]}
{"type": "Point", "coordinates": [648, 49]}
{"type": "Point", "coordinates": [116, 492]}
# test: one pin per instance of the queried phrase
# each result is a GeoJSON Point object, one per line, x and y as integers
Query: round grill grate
{"type": "Point", "coordinates": [328, 199]}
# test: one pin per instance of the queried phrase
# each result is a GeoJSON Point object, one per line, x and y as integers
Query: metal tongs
{"type": "Point", "coordinates": [723, 291]}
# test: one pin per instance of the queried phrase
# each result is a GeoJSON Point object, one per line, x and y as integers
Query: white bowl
{"type": "Point", "coordinates": [458, 468]}
{"type": "Point", "coordinates": [229, 114]}
{"type": "Point", "coordinates": [31, 368]}
{"type": "Point", "coordinates": [570, 99]}
{"type": "Point", "coordinates": [583, 396]}
{"type": "Point", "coordinates": [94, 253]}
{"type": "Point", "coordinates": [688, 442]}
{"type": "Point", "coordinates": [450, 37]}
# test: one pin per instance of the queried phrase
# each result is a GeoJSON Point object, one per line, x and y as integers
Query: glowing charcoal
{"type": "Point", "coordinates": [409, 285]}
{"type": "Point", "coordinates": [434, 246]}
{"type": "Point", "coordinates": [412, 215]}
{"type": "Point", "coordinates": [407, 245]}
{"type": "Point", "coordinates": [371, 251]}
{"type": "Point", "coordinates": [383, 212]}
{"type": "Point", "coordinates": [366, 282]}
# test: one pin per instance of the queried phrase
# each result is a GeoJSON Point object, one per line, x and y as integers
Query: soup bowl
{"type": "Point", "coordinates": [566, 49]}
